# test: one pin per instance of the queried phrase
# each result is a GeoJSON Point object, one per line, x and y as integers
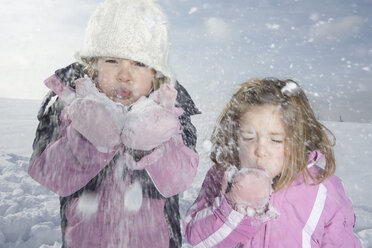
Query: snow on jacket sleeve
{"type": "Point", "coordinates": [172, 166]}
{"type": "Point", "coordinates": [211, 222]}
{"type": "Point", "coordinates": [173, 169]}
{"type": "Point", "coordinates": [63, 160]}
{"type": "Point", "coordinates": [338, 232]}
{"type": "Point", "coordinates": [69, 163]}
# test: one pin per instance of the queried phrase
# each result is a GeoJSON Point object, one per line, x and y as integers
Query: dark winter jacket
{"type": "Point", "coordinates": [51, 132]}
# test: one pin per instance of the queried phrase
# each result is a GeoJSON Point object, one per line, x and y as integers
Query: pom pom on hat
{"type": "Point", "coordinates": [130, 29]}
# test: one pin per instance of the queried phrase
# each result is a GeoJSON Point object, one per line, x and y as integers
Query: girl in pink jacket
{"type": "Point", "coordinates": [265, 188]}
{"type": "Point", "coordinates": [115, 140]}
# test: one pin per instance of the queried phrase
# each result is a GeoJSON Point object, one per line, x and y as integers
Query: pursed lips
{"type": "Point", "coordinates": [258, 166]}
{"type": "Point", "coordinates": [123, 93]}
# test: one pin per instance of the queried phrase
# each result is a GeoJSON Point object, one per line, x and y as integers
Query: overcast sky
{"type": "Point", "coordinates": [326, 45]}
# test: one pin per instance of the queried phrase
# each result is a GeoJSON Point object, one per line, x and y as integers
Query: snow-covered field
{"type": "Point", "coordinates": [29, 213]}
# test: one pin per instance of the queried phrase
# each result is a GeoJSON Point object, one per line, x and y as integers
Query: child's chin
{"type": "Point", "coordinates": [125, 102]}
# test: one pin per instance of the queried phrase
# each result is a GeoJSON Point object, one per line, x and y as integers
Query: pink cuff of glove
{"type": "Point", "coordinates": [66, 93]}
{"type": "Point", "coordinates": [225, 208]}
{"type": "Point", "coordinates": [261, 215]}
{"type": "Point", "coordinates": [84, 151]}
{"type": "Point", "coordinates": [175, 170]}
{"type": "Point", "coordinates": [147, 160]}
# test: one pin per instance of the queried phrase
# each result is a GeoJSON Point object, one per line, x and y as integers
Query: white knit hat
{"type": "Point", "coordinates": [129, 29]}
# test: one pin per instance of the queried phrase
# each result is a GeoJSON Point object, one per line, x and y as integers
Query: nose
{"type": "Point", "coordinates": [124, 71]}
{"type": "Point", "coordinates": [260, 150]}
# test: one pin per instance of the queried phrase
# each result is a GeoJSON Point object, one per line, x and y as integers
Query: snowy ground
{"type": "Point", "coordinates": [29, 213]}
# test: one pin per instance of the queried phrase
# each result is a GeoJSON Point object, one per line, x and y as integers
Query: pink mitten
{"type": "Point", "coordinates": [250, 188]}
{"type": "Point", "coordinates": [147, 160]}
{"type": "Point", "coordinates": [86, 87]}
{"type": "Point", "coordinates": [152, 121]}
{"type": "Point", "coordinates": [95, 116]}
{"type": "Point", "coordinates": [165, 96]}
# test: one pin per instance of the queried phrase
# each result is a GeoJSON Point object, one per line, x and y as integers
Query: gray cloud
{"type": "Point", "coordinates": [337, 29]}
{"type": "Point", "coordinates": [217, 29]}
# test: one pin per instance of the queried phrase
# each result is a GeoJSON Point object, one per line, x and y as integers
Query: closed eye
{"type": "Point", "coordinates": [247, 138]}
{"type": "Point", "coordinates": [139, 64]}
{"type": "Point", "coordinates": [111, 61]}
{"type": "Point", "coordinates": [279, 141]}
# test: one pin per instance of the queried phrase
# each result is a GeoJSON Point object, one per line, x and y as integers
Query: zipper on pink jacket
{"type": "Point", "coordinates": [267, 232]}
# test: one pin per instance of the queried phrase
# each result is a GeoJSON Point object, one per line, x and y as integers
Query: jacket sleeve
{"type": "Point", "coordinates": [172, 167]}
{"type": "Point", "coordinates": [68, 163]}
{"type": "Point", "coordinates": [340, 219]}
{"type": "Point", "coordinates": [211, 222]}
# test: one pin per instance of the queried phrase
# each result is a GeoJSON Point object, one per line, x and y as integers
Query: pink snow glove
{"type": "Point", "coordinates": [249, 190]}
{"type": "Point", "coordinates": [95, 116]}
{"type": "Point", "coordinates": [145, 161]}
{"type": "Point", "coordinates": [152, 121]}
{"type": "Point", "coordinates": [166, 96]}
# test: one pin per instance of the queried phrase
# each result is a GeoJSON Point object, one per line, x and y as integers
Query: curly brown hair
{"type": "Point", "coordinates": [304, 133]}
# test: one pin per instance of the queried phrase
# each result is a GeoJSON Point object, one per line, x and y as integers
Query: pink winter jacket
{"type": "Point", "coordinates": [69, 163]}
{"type": "Point", "coordinates": [308, 216]}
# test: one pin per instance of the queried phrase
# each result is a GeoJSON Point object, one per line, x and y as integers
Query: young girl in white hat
{"type": "Point", "coordinates": [115, 140]}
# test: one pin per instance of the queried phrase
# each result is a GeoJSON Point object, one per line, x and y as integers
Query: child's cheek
{"type": "Point", "coordinates": [102, 78]}
{"type": "Point", "coordinates": [135, 92]}
{"type": "Point", "coordinates": [278, 163]}
{"type": "Point", "coordinates": [245, 156]}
